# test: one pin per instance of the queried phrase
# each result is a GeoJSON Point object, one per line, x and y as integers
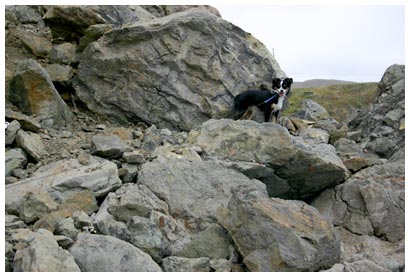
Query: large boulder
{"type": "Point", "coordinates": [175, 203]}
{"type": "Point", "coordinates": [32, 90]}
{"type": "Point", "coordinates": [175, 71]}
{"type": "Point", "coordinates": [108, 254]}
{"type": "Point", "coordinates": [194, 190]}
{"type": "Point", "coordinates": [43, 254]}
{"type": "Point", "coordinates": [381, 127]}
{"type": "Point", "coordinates": [307, 168]}
{"type": "Point", "coordinates": [279, 235]}
{"type": "Point", "coordinates": [99, 178]}
{"type": "Point", "coordinates": [371, 202]}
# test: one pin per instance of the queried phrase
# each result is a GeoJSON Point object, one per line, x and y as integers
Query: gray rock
{"type": "Point", "coordinates": [60, 73]}
{"type": "Point", "coordinates": [70, 22]}
{"type": "Point", "coordinates": [387, 111]}
{"type": "Point", "coordinates": [314, 135]}
{"type": "Point", "coordinates": [36, 44]}
{"type": "Point", "coordinates": [99, 178]}
{"type": "Point", "coordinates": [108, 146]}
{"type": "Point", "coordinates": [181, 264]}
{"type": "Point", "coordinates": [92, 33]}
{"type": "Point", "coordinates": [213, 242]}
{"type": "Point", "coordinates": [353, 155]}
{"type": "Point", "coordinates": [63, 53]}
{"type": "Point", "coordinates": [11, 132]}
{"type": "Point", "coordinates": [279, 235]}
{"type": "Point", "coordinates": [384, 255]}
{"type": "Point", "coordinates": [289, 156]}
{"type": "Point", "coordinates": [274, 184]}
{"type": "Point", "coordinates": [32, 144]}
{"type": "Point", "coordinates": [26, 122]}
{"type": "Point", "coordinates": [120, 15]}
{"type": "Point", "coordinates": [207, 184]}
{"type": "Point", "coordinates": [371, 202]}
{"type": "Point", "coordinates": [178, 85]}
{"type": "Point", "coordinates": [13, 222]}
{"type": "Point", "coordinates": [24, 14]}
{"type": "Point", "coordinates": [81, 219]}
{"type": "Point", "coordinates": [135, 157]}
{"type": "Point", "coordinates": [44, 254]}
{"type": "Point", "coordinates": [130, 173]}
{"type": "Point", "coordinates": [35, 205]}
{"type": "Point", "coordinates": [15, 158]}
{"type": "Point", "coordinates": [66, 228]}
{"type": "Point", "coordinates": [134, 211]}
{"type": "Point", "coordinates": [32, 90]}
{"type": "Point", "coordinates": [105, 253]}
{"type": "Point", "coordinates": [312, 111]}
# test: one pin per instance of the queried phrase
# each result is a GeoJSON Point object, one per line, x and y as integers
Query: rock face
{"type": "Point", "coordinates": [369, 203]}
{"type": "Point", "coordinates": [271, 144]}
{"type": "Point", "coordinates": [176, 72]}
{"type": "Point", "coordinates": [96, 253]}
{"type": "Point", "coordinates": [33, 92]}
{"type": "Point", "coordinates": [44, 254]}
{"type": "Point", "coordinates": [381, 127]}
{"type": "Point", "coordinates": [100, 195]}
{"type": "Point", "coordinates": [279, 235]}
{"type": "Point", "coordinates": [100, 178]}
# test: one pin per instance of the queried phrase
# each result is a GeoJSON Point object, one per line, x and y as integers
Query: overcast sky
{"type": "Point", "coordinates": [355, 43]}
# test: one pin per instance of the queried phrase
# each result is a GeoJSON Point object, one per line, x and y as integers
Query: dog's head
{"type": "Point", "coordinates": [281, 86]}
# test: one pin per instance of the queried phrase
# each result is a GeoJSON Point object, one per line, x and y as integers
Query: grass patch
{"type": "Point", "coordinates": [336, 99]}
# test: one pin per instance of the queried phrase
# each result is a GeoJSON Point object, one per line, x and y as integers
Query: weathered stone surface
{"type": "Point", "coordinates": [35, 205]}
{"type": "Point", "coordinates": [108, 146]}
{"type": "Point", "coordinates": [23, 14]}
{"type": "Point", "coordinates": [63, 53]}
{"type": "Point", "coordinates": [314, 135]}
{"type": "Point", "coordinates": [15, 158]}
{"type": "Point", "coordinates": [388, 111]}
{"type": "Point", "coordinates": [99, 178]}
{"type": "Point", "coordinates": [11, 132]}
{"type": "Point", "coordinates": [279, 235]}
{"type": "Point", "coordinates": [105, 253]}
{"type": "Point", "coordinates": [32, 144]}
{"type": "Point", "coordinates": [32, 90]}
{"type": "Point", "coordinates": [132, 212]}
{"type": "Point", "coordinates": [181, 264]}
{"type": "Point", "coordinates": [162, 81]}
{"type": "Point", "coordinates": [212, 242]}
{"type": "Point", "coordinates": [371, 202]}
{"type": "Point", "coordinates": [312, 111]}
{"type": "Point", "coordinates": [38, 45]}
{"type": "Point", "coordinates": [207, 184]}
{"type": "Point", "coordinates": [43, 254]}
{"type": "Point", "coordinates": [289, 156]}
{"type": "Point", "coordinates": [92, 33]}
{"type": "Point", "coordinates": [26, 122]}
{"type": "Point", "coordinates": [353, 156]}
{"type": "Point", "coordinates": [70, 22]}
{"type": "Point", "coordinates": [60, 73]}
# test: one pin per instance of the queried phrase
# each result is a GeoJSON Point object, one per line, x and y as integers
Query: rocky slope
{"type": "Point", "coordinates": [169, 184]}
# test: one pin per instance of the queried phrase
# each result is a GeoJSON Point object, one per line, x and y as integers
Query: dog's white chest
{"type": "Point", "coordinates": [279, 105]}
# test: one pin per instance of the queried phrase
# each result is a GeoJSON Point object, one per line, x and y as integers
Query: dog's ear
{"type": "Point", "coordinates": [290, 80]}
{"type": "Point", "coordinates": [275, 82]}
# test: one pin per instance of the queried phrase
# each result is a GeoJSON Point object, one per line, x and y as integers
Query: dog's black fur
{"type": "Point", "coordinates": [249, 98]}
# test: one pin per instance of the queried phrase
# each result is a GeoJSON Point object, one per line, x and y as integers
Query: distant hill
{"type": "Point", "coordinates": [314, 83]}
{"type": "Point", "coordinates": [339, 99]}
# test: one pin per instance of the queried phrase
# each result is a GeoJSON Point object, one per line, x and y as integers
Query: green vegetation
{"type": "Point", "coordinates": [336, 99]}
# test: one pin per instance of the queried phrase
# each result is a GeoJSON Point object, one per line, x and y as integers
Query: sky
{"type": "Point", "coordinates": [353, 43]}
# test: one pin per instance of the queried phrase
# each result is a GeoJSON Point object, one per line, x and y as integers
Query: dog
{"type": "Point", "coordinates": [269, 102]}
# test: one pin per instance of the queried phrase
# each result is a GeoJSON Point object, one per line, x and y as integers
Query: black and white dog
{"type": "Point", "coordinates": [270, 102]}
